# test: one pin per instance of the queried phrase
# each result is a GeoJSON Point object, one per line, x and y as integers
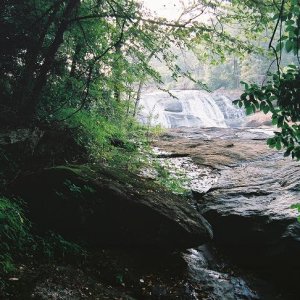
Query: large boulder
{"type": "Point", "coordinates": [102, 209]}
{"type": "Point", "coordinates": [249, 205]}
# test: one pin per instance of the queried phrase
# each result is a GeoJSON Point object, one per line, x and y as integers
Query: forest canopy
{"type": "Point", "coordinates": [90, 54]}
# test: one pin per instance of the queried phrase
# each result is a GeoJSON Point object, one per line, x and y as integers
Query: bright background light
{"type": "Point", "coordinates": [164, 8]}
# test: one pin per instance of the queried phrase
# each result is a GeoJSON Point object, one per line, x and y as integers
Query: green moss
{"type": "Point", "coordinates": [85, 171]}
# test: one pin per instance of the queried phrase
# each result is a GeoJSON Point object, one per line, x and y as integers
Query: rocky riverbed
{"type": "Point", "coordinates": [249, 205]}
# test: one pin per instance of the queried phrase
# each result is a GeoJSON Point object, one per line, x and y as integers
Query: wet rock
{"type": "Point", "coordinates": [16, 150]}
{"type": "Point", "coordinates": [34, 148]}
{"type": "Point", "coordinates": [216, 285]}
{"type": "Point", "coordinates": [50, 150]}
{"type": "Point", "coordinates": [84, 205]}
{"type": "Point", "coordinates": [174, 106]}
{"type": "Point", "coordinates": [20, 136]}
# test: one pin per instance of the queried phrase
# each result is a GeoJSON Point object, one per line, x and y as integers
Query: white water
{"type": "Point", "coordinates": [233, 115]}
{"type": "Point", "coordinates": [188, 108]}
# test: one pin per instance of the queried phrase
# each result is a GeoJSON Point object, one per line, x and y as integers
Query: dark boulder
{"type": "Point", "coordinates": [93, 206]}
{"type": "Point", "coordinates": [26, 149]}
{"type": "Point", "coordinates": [59, 145]}
{"type": "Point", "coordinates": [250, 212]}
{"type": "Point", "coordinates": [173, 106]}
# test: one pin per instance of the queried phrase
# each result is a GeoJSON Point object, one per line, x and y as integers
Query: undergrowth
{"type": "Point", "coordinates": [14, 233]}
{"type": "Point", "coordinates": [122, 144]}
{"type": "Point", "coordinates": [175, 182]}
{"type": "Point", "coordinates": [110, 141]}
{"type": "Point", "coordinates": [19, 242]}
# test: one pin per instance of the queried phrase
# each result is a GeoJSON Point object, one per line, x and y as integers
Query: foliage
{"type": "Point", "coordinates": [281, 94]}
{"type": "Point", "coordinates": [114, 141]}
{"type": "Point", "coordinates": [280, 97]}
{"type": "Point", "coordinates": [91, 54]}
{"type": "Point", "coordinates": [18, 239]}
{"type": "Point", "coordinates": [176, 183]}
{"type": "Point", "coordinates": [14, 233]}
{"type": "Point", "coordinates": [297, 206]}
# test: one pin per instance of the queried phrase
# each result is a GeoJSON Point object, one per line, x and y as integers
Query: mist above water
{"type": "Point", "coordinates": [189, 108]}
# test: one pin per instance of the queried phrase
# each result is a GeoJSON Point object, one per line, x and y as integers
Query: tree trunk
{"type": "Point", "coordinates": [117, 75]}
{"type": "Point", "coordinates": [138, 97]}
{"type": "Point", "coordinates": [236, 73]}
{"type": "Point", "coordinates": [32, 100]}
{"type": "Point", "coordinates": [24, 86]}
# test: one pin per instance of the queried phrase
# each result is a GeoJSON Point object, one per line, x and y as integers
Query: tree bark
{"type": "Point", "coordinates": [33, 98]}
{"type": "Point", "coordinates": [30, 70]}
{"type": "Point", "coordinates": [117, 75]}
{"type": "Point", "coordinates": [138, 97]}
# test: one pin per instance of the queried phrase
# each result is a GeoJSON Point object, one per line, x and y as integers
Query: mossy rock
{"type": "Point", "coordinates": [107, 209]}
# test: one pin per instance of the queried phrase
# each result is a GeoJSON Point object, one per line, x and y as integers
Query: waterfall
{"type": "Point", "coordinates": [186, 108]}
{"type": "Point", "coordinates": [233, 116]}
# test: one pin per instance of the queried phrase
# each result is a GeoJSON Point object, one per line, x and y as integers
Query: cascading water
{"type": "Point", "coordinates": [233, 116]}
{"type": "Point", "coordinates": [186, 108]}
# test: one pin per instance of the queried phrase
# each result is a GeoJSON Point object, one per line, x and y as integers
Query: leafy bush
{"type": "Point", "coordinates": [107, 140]}
{"type": "Point", "coordinates": [171, 178]}
{"type": "Point", "coordinates": [280, 96]}
{"type": "Point", "coordinates": [297, 206]}
{"type": "Point", "coordinates": [17, 241]}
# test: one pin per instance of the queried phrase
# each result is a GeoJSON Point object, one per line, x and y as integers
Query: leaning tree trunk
{"type": "Point", "coordinates": [32, 99]}
{"type": "Point", "coordinates": [138, 97]}
{"type": "Point", "coordinates": [31, 61]}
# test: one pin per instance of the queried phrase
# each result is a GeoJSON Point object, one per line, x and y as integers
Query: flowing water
{"type": "Point", "coordinates": [189, 108]}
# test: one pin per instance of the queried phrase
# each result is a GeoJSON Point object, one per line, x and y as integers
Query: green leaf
{"type": "Point", "coordinates": [274, 120]}
{"type": "Point", "coordinates": [278, 145]}
{"type": "Point", "coordinates": [279, 47]}
{"type": "Point", "coordinates": [289, 45]}
{"type": "Point", "coordinates": [271, 142]}
{"type": "Point", "coordinates": [266, 109]}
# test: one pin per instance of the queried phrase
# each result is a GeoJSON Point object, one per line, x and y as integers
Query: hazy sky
{"type": "Point", "coordinates": [164, 8]}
